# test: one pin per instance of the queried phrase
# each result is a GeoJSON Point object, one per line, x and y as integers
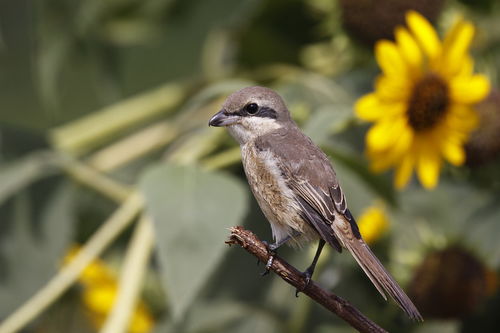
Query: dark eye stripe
{"type": "Point", "coordinates": [264, 112]}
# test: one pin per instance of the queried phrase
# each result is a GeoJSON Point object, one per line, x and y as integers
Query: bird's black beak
{"type": "Point", "coordinates": [222, 118]}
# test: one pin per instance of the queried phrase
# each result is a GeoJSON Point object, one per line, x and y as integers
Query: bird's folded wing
{"type": "Point", "coordinates": [329, 206]}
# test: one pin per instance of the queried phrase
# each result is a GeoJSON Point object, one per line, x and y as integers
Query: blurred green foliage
{"type": "Point", "coordinates": [102, 98]}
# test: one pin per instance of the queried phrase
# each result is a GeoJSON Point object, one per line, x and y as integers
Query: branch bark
{"type": "Point", "coordinates": [293, 276]}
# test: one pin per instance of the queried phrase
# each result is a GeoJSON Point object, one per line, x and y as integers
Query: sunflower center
{"type": "Point", "coordinates": [428, 103]}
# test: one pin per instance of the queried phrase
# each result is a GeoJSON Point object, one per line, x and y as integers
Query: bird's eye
{"type": "Point", "coordinates": [251, 108]}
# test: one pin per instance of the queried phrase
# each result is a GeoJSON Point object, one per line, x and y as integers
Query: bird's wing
{"type": "Point", "coordinates": [308, 172]}
{"type": "Point", "coordinates": [311, 215]}
{"type": "Point", "coordinates": [310, 175]}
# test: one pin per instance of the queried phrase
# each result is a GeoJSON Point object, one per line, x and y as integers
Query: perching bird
{"type": "Point", "coordinates": [295, 185]}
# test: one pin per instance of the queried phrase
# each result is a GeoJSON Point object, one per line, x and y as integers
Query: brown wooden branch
{"type": "Point", "coordinates": [293, 276]}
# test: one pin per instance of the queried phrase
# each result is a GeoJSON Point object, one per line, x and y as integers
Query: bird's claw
{"type": "Point", "coordinates": [307, 279]}
{"type": "Point", "coordinates": [272, 252]}
{"type": "Point", "coordinates": [270, 261]}
{"type": "Point", "coordinates": [268, 266]}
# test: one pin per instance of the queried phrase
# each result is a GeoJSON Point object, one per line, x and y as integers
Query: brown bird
{"type": "Point", "coordinates": [295, 185]}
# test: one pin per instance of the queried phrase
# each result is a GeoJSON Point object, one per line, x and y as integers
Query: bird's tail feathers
{"type": "Point", "coordinates": [379, 276]}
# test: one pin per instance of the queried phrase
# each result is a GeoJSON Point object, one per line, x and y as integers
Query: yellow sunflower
{"type": "Point", "coordinates": [100, 288]}
{"type": "Point", "coordinates": [422, 103]}
{"type": "Point", "coordinates": [373, 223]}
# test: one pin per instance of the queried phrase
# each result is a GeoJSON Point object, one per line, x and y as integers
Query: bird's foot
{"type": "Point", "coordinates": [307, 279]}
{"type": "Point", "coordinates": [271, 249]}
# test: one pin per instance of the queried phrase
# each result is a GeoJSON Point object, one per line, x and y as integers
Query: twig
{"type": "Point", "coordinates": [223, 159]}
{"type": "Point", "coordinates": [86, 133]}
{"type": "Point", "coordinates": [131, 277]}
{"type": "Point", "coordinates": [94, 179]}
{"type": "Point", "coordinates": [293, 276]}
{"type": "Point", "coordinates": [133, 146]}
{"type": "Point", "coordinates": [111, 228]}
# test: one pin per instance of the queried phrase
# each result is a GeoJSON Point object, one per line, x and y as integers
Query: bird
{"type": "Point", "coordinates": [296, 187]}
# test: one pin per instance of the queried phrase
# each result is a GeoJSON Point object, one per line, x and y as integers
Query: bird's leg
{"type": "Point", "coordinates": [310, 270]}
{"type": "Point", "coordinates": [272, 249]}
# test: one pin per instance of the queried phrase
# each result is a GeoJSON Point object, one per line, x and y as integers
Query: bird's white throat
{"type": "Point", "coordinates": [249, 128]}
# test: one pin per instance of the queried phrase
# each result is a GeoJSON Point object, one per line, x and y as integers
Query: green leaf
{"type": "Point", "coordinates": [379, 184]}
{"type": "Point", "coordinates": [209, 316]}
{"type": "Point", "coordinates": [447, 209]}
{"type": "Point", "coordinates": [448, 326]}
{"type": "Point", "coordinates": [334, 328]}
{"type": "Point", "coordinates": [17, 175]}
{"type": "Point", "coordinates": [35, 241]}
{"type": "Point", "coordinates": [192, 210]}
{"type": "Point", "coordinates": [223, 316]}
{"type": "Point", "coordinates": [483, 237]}
{"type": "Point", "coordinates": [327, 120]}
{"type": "Point", "coordinates": [452, 213]}
{"type": "Point", "coordinates": [255, 323]}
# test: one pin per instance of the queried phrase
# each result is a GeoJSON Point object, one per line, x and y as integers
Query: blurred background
{"type": "Point", "coordinates": [112, 186]}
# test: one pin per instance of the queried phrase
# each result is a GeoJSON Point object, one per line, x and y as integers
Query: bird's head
{"type": "Point", "coordinates": [252, 112]}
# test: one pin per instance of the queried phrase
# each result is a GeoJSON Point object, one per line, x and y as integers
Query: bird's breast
{"type": "Point", "coordinates": [276, 200]}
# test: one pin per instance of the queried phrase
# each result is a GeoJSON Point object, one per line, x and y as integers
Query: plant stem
{"type": "Point", "coordinates": [84, 134]}
{"type": "Point", "coordinates": [111, 228]}
{"type": "Point", "coordinates": [134, 146]}
{"type": "Point", "coordinates": [131, 277]}
{"type": "Point", "coordinates": [88, 176]}
{"type": "Point", "coordinates": [226, 158]}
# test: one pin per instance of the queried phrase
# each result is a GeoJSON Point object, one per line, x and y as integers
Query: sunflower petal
{"type": "Point", "coordinates": [404, 142]}
{"type": "Point", "coordinates": [469, 89]}
{"type": "Point", "coordinates": [384, 134]}
{"type": "Point", "coordinates": [393, 154]}
{"type": "Point", "coordinates": [380, 136]}
{"type": "Point", "coordinates": [393, 151]}
{"type": "Point", "coordinates": [453, 152]}
{"type": "Point", "coordinates": [383, 157]}
{"type": "Point", "coordinates": [389, 58]}
{"type": "Point", "coordinates": [428, 165]}
{"type": "Point", "coordinates": [379, 164]}
{"type": "Point", "coordinates": [462, 118]}
{"type": "Point", "coordinates": [408, 47]}
{"type": "Point", "coordinates": [456, 44]}
{"type": "Point", "coordinates": [392, 89]}
{"type": "Point", "coordinates": [466, 68]}
{"type": "Point", "coordinates": [424, 33]}
{"type": "Point", "coordinates": [404, 171]}
{"type": "Point", "coordinates": [370, 108]}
